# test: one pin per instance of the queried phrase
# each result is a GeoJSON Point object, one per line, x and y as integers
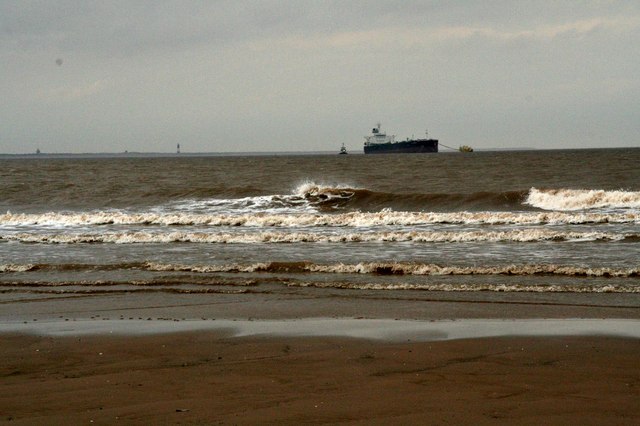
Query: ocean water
{"type": "Point", "coordinates": [481, 226]}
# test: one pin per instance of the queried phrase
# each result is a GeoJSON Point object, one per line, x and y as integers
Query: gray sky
{"type": "Point", "coordinates": [109, 76]}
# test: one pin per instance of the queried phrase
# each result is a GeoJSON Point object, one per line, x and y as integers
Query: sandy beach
{"type": "Point", "coordinates": [84, 361]}
{"type": "Point", "coordinates": [209, 378]}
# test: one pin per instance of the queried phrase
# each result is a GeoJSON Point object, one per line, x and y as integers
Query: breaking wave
{"type": "Point", "coordinates": [352, 219]}
{"type": "Point", "coordinates": [88, 288]}
{"type": "Point", "coordinates": [473, 287]}
{"type": "Point", "coordinates": [582, 199]}
{"type": "Point", "coordinates": [100, 287]}
{"type": "Point", "coordinates": [94, 289]}
{"type": "Point", "coordinates": [311, 204]}
{"type": "Point", "coordinates": [399, 268]}
{"type": "Point", "coordinates": [524, 235]}
{"type": "Point", "coordinates": [16, 268]}
{"type": "Point", "coordinates": [222, 278]}
{"type": "Point", "coordinates": [69, 267]}
{"type": "Point", "coordinates": [366, 268]}
{"type": "Point", "coordinates": [310, 196]}
{"type": "Point", "coordinates": [306, 197]}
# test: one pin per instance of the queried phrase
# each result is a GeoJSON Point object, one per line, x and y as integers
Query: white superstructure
{"type": "Point", "coordinates": [378, 137]}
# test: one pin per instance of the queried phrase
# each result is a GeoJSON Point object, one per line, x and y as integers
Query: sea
{"type": "Point", "coordinates": [561, 226]}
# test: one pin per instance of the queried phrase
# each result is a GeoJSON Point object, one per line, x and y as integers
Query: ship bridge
{"type": "Point", "coordinates": [378, 137]}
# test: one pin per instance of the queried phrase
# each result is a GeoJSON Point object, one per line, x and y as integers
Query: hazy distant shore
{"type": "Point", "coordinates": [159, 154]}
{"type": "Point", "coordinates": [351, 151]}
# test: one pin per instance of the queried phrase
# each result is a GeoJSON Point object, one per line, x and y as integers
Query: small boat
{"type": "Point", "coordinates": [465, 148]}
{"type": "Point", "coordinates": [343, 150]}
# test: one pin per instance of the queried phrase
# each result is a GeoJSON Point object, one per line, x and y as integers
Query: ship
{"type": "Point", "coordinates": [343, 150]}
{"type": "Point", "coordinates": [381, 143]}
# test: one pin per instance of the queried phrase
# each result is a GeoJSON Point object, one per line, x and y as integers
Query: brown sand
{"type": "Point", "coordinates": [209, 378]}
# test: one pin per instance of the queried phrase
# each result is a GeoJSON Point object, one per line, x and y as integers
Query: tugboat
{"type": "Point", "coordinates": [343, 150]}
{"type": "Point", "coordinates": [380, 143]}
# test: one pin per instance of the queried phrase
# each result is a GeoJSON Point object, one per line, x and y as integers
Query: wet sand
{"type": "Point", "coordinates": [153, 359]}
{"type": "Point", "coordinates": [213, 378]}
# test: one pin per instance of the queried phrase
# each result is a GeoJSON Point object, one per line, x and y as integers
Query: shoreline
{"type": "Point", "coordinates": [387, 330]}
{"type": "Point", "coordinates": [318, 358]}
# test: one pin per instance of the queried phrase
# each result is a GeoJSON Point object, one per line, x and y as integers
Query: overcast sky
{"type": "Point", "coordinates": [220, 76]}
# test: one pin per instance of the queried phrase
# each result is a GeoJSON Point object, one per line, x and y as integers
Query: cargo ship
{"type": "Point", "coordinates": [380, 143]}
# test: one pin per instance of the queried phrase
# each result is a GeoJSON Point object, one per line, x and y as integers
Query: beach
{"type": "Point", "coordinates": [132, 360]}
{"type": "Point", "coordinates": [210, 378]}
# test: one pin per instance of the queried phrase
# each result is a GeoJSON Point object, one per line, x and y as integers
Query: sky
{"type": "Point", "coordinates": [80, 76]}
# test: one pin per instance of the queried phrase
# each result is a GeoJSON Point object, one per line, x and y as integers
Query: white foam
{"type": "Point", "coordinates": [353, 219]}
{"type": "Point", "coordinates": [137, 237]}
{"type": "Point", "coordinates": [305, 198]}
{"type": "Point", "coordinates": [581, 199]}
{"type": "Point", "coordinates": [310, 188]}
{"type": "Point", "coordinates": [400, 268]}
{"type": "Point", "coordinates": [285, 204]}
{"type": "Point", "coordinates": [16, 268]}
{"type": "Point", "coordinates": [475, 287]}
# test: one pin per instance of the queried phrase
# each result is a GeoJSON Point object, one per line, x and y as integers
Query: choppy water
{"type": "Point", "coordinates": [537, 221]}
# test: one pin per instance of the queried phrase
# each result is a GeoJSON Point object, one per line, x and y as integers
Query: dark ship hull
{"type": "Point", "coordinates": [406, 147]}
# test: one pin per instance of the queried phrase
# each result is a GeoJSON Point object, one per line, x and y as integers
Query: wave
{"type": "Point", "coordinates": [352, 219]}
{"type": "Point", "coordinates": [310, 196]}
{"type": "Point", "coordinates": [473, 287]}
{"type": "Point", "coordinates": [90, 291]}
{"type": "Point", "coordinates": [321, 197]}
{"type": "Point", "coordinates": [69, 267]}
{"type": "Point", "coordinates": [362, 268]}
{"type": "Point", "coordinates": [306, 197]}
{"type": "Point", "coordinates": [205, 283]}
{"type": "Point", "coordinates": [524, 235]}
{"type": "Point", "coordinates": [582, 199]}
{"type": "Point", "coordinates": [400, 268]}
{"type": "Point", "coordinates": [16, 268]}
{"type": "Point", "coordinates": [317, 205]}
{"type": "Point", "coordinates": [102, 287]}
{"type": "Point", "coordinates": [189, 281]}
{"type": "Point", "coordinates": [359, 199]}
